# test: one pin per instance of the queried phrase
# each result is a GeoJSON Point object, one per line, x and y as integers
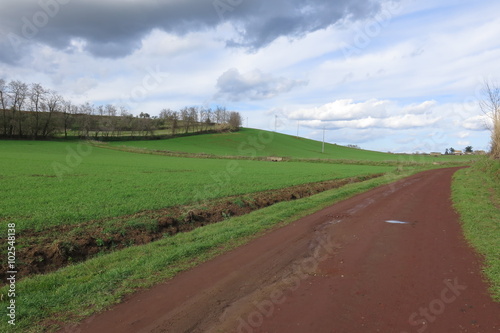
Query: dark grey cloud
{"type": "Point", "coordinates": [296, 18]}
{"type": "Point", "coordinates": [256, 85]}
{"type": "Point", "coordinates": [114, 28]}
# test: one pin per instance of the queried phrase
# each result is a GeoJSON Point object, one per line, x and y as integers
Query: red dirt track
{"type": "Point", "coordinates": [343, 269]}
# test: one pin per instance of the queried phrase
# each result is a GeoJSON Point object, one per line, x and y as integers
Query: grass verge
{"type": "Point", "coordinates": [476, 196]}
{"type": "Point", "coordinates": [78, 291]}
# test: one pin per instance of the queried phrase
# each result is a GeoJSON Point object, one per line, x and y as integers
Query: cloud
{"type": "Point", "coordinates": [115, 28]}
{"type": "Point", "coordinates": [477, 123]}
{"type": "Point", "coordinates": [262, 22]}
{"type": "Point", "coordinates": [84, 84]}
{"type": "Point", "coordinates": [344, 109]}
{"type": "Point", "coordinates": [255, 85]}
{"type": "Point", "coordinates": [463, 143]}
{"type": "Point", "coordinates": [419, 108]}
{"type": "Point", "coordinates": [348, 136]}
{"type": "Point", "coordinates": [370, 114]}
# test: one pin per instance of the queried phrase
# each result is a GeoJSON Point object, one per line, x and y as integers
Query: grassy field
{"type": "Point", "coordinates": [78, 291]}
{"type": "Point", "coordinates": [251, 142]}
{"type": "Point", "coordinates": [48, 184]}
{"type": "Point", "coordinates": [53, 183]}
{"type": "Point", "coordinates": [476, 194]}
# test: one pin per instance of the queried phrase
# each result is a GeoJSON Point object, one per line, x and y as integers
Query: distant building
{"type": "Point", "coordinates": [479, 152]}
{"type": "Point", "coordinates": [435, 154]}
{"type": "Point", "coordinates": [458, 152]}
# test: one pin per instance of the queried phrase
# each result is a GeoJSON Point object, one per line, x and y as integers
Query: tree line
{"type": "Point", "coordinates": [32, 111]}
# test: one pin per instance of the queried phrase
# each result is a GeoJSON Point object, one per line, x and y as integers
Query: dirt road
{"type": "Point", "coordinates": [344, 269]}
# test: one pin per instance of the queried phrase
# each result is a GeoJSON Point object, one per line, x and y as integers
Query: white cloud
{"type": "Point", "coordinates": [477, 123]}
{"type": "Point", "coordinates": [410, 121]}
{"type": "Point", "coordinates": [84, 84]}
{"type": "Point", "coordinates": [344, 109]}
{"type": "Point", "coordinates": [419, 108]}
{"type": "Point", "coordinates": [463, 142]}
{"type": "Point", "coordinates": [463, 135]}
{"type": "Point", "coordinates": [369, 114]}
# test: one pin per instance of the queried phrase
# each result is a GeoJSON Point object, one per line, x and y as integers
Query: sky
{"type": "Point", "coordinates": [398, 76]}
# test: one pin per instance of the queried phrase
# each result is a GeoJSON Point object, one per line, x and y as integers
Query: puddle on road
{"type": "Point", "coordinates": [397, 222]}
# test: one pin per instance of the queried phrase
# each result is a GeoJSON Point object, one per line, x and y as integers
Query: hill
{"type": "Point", "coordinates": [258, 143]}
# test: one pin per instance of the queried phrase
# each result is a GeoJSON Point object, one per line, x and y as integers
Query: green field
{"type": "Point", "coordinates": [252, 142]}
{"type": "Point", "coordinates": [46, 184]}
{"type": "Point", "coordinates": [60, 183]}
{"type": "Point", "coordinates": [53, 183]}
{"type": "Point", "coordinates": [78, 291]}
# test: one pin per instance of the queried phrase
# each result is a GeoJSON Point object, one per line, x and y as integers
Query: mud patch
{"type": "Point", "coordinates": [48, 250]}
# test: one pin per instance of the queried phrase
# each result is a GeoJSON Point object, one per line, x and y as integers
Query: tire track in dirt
{"type": "Point", "coordinates": [342, 269]}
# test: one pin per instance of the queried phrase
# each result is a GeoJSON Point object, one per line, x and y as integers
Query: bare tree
{"type": "Point", "coordinates": [3, 104]}
{"type": "Point", "coordinates": [174, 121]}
{"type": "Point", "coordinates": [85, 119]}
{"type": "Point", "coordinates": [490, 106]}
{"type": "Point", "coordinates": [67, 116]}
{"type": "Point", "coordinates": [122, 121]}
{"type": "Point", "coordinates": [165, 117]}
{"type": "Point", "coordinates": [18, 94]}
{"type": "Point", "coordinates": [184, 113]}
{"type": "Point", "coordinates": [202, 117]}
{"type": "Point", "coordinates": [54, 104]}
{"type": "Point", "coordinates": [235, 120]}
{"type": "Point", "coordinates": [205, 119]}
{"type": "Point", "coordinates": [111, 120]}
{"type": "Point", "coordinates": [127, 121]}
{"type": "Point", "coordinates": [146, 125]}
{"type": "Point", "coordinates": [193, 117]}
{"type": "Point", "coordinates": [37, 95]}
{"type": "Point", "coordinates": [219, 114]}
{"type": "Point", "coordinates": [208, 119]}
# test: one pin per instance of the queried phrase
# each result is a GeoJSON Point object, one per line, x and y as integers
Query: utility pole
{"type": "Point", "coordinates": [298, 125]}
{"type": "Point", "coordinates": [275, 123]}
{"type": "Point", "coordinates": [323, 149]}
